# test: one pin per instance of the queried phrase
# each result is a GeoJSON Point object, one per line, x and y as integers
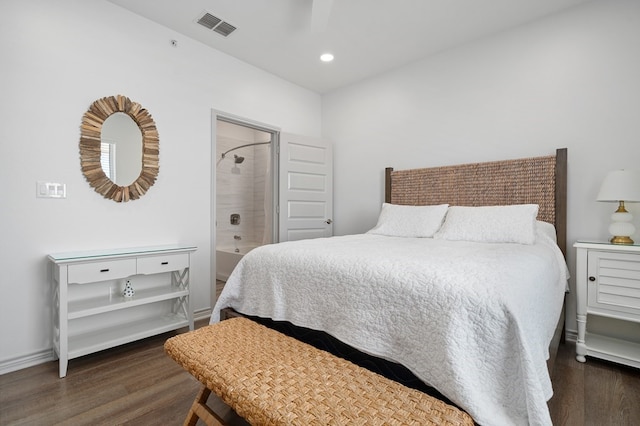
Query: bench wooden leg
{"type": "Point", "coordinates": [200, 410]}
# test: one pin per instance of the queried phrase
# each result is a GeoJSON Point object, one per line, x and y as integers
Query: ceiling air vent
{"type": "Point", "coordinates": [209, 21]}
{"type": "Point", "coordinates": [224, 28]}
{"type": "Point", "coordinates": [216, 24]}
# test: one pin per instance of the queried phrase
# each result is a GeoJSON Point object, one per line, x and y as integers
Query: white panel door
{"type": "Point", "coordinates": [306, 188]}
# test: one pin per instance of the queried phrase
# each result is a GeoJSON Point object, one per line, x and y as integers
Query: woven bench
{"type": "Point", "coordinates": [269, 378]}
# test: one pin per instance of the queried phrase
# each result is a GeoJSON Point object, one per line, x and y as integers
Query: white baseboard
{"type": "Point", "coordinates": [202, 314]}
{"type": "Point", "coordinates": [571, 335]}
{"type": "Point", "coordinates": [222, 277]}
{"type": "Point", "coordinates": [19, 363]}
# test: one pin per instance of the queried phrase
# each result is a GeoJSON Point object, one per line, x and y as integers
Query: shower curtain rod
{"type": "Point", "coordinates": [243, 146]}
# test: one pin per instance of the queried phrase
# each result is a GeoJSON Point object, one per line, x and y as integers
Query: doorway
{"type": "Point", "coordinates": [268, 187]}
{"type": "Point", "coordinates": [246, 196]}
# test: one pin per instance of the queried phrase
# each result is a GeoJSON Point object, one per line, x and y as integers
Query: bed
{"type": "Point", "coordinates": [470, 305]}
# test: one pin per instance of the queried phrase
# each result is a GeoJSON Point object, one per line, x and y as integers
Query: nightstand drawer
{"type": "Point", "coordinates": [163, 263]}
{"type": "Point", "coordinates": [101, 271]}
{"type": "Point", "coordinates": [614, 281]}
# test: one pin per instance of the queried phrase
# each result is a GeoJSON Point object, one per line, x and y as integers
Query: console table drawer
{"type": "Point", "coordinates": [163, 263]}
{"type": "Point", "coordinates": [84, 273]}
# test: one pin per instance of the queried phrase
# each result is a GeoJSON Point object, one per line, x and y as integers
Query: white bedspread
{"type": "Point", "coordinates": [472, 320]}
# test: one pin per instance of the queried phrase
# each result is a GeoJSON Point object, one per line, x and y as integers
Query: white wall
{"type": "Point", "coordinates": [57, 58]}
{"type": "Point", "coordinates": [570, 80]}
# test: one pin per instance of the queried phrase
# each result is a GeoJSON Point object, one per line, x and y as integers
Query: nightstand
{"type": "Point", "coordinates": [608, 285]}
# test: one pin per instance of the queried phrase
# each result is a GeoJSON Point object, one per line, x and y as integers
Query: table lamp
{"type": "Point", "coordinates": [620, 186]}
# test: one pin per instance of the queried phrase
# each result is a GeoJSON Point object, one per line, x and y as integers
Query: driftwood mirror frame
{"type": "Point", "coordinates": [90, 138]}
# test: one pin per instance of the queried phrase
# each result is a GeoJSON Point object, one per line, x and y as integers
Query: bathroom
{"type": "Point", "coordinates": [244, 193]}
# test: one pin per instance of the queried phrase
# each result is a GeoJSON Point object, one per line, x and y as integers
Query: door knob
{"type": "Point", "coordinates": [328, 221]}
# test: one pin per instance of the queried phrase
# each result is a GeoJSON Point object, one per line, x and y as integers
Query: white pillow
{"type": "Point", "coordinates": [409, 221]}
{"type": "Point", "coordinates": [545, 228]}
{"type": "Point", "coordinates": [491, 224]}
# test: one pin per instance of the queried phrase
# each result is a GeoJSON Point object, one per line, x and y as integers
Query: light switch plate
{"type": "Point", "coordinates": [51, 190]}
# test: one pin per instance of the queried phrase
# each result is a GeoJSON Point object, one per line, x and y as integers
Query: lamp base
{"type": "Point", "coordinates": [621, 227]}
{"type": "Point", "coordinates": [621, 240]}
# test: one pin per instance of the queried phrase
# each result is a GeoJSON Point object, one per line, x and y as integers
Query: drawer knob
{"type": "Point", "coordinates": [592, 278]}
{"type": "Point", "coordinates": [104, 270]}
{"type": "Point", "coordinates": [164, 263]}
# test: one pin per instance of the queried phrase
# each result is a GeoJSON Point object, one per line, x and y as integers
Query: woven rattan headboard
{"type": "Point", "coordinates": [536, 180]}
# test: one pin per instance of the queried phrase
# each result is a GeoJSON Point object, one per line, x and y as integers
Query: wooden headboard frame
{"type": "Point", "coordinates": [536, 180]}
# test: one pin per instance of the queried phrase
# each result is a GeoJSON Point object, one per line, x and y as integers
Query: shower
{"type": "Point", "coordinates": [244, 188]}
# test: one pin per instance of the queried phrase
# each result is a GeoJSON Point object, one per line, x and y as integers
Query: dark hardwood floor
{"type": "Point", "coordinates": [134, 384]}
{"type": "Point", "coordinates": [137, 384]}
{"type": "Point", "coordinates": [594, 393]}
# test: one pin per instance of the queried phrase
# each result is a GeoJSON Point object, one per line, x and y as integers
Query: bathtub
{"type": "Point", "coordinates": [227, 258]}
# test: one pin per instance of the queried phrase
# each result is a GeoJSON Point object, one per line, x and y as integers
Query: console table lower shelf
{"type": "Point", "coordinates": [106, 338]}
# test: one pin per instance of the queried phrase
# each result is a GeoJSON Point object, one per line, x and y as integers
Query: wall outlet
{"type": "Point", "coordinates": [51, 190]}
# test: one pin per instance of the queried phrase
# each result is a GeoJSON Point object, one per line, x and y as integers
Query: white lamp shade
{"type": "Point", "coordinates": [620, 185]}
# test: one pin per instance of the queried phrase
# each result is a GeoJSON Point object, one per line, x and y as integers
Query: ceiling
{"type": "Point", "coordinates": [367, 37]}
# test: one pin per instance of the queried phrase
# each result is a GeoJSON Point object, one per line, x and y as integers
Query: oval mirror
{"type": "Point", "coordinates": [119, 148]}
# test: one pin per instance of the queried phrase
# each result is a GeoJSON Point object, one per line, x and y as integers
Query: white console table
{"type": "Point", "coordinates": [90, 311]}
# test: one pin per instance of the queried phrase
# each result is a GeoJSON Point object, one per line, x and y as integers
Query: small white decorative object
{"type": "Point", "coordinates": [128, 290]}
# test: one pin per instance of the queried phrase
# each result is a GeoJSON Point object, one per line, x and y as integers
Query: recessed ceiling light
{"type": "Point", "coordinates": [326, 57]}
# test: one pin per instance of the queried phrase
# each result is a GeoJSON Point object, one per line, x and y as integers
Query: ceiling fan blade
{"type": "Point", "coordinates": [320, 11]}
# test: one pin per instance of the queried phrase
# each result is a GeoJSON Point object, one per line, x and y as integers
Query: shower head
{"type": "Point", "coordinates": [237, 159]}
